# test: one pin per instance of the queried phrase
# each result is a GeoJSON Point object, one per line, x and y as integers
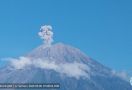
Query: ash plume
{"type": "Point", "coordinates": [46, 34]}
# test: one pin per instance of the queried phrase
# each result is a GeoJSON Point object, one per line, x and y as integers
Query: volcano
{"type": "Point", "coordinates": [63, 64]}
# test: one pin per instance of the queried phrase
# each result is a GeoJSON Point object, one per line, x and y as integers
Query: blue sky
{"type": "Point", "coordinates": [100, 28]}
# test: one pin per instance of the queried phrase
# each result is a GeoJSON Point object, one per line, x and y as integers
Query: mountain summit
{"type": "Point", "coordinates": [63, 64]}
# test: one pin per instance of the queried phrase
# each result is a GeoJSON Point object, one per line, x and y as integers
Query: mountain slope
{"type": "Point", "coordinates": [66, 65]}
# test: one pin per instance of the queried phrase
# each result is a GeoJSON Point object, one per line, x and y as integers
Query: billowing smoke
{"type": "Point", "coordinates": [46, 34]}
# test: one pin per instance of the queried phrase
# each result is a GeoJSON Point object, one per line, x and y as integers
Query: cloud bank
{"type": "Point", "coordinates": [121, 74]}
{"type": "Point", "coordinates": [75, 69]}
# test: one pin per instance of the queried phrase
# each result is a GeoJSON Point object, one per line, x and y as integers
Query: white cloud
{"type": "Point", "coordinates": [45, 64]}
{"type": "Point", "coordinates": [74, 69]}
{"type": "Point", "coordinates": [121, 74]}
{"type": "Point", "coordinates": [20, 63]}
{"type": "Point", "coordinates": [131, 81]}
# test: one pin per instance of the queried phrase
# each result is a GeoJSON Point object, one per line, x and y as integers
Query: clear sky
{"type": "Point", "coordinates": [100, 28]}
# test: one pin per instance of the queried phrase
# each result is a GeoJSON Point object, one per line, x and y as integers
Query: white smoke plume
{"type": "Point", "coordinates": [75, 69]}
{"type": "Point", "coordinates": [46, 34]}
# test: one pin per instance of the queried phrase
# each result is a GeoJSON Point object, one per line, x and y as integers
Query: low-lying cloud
{"type": "Point", "coordinates": [121, 74]}
{"type": "Point", "coordinates": [74, 69]}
